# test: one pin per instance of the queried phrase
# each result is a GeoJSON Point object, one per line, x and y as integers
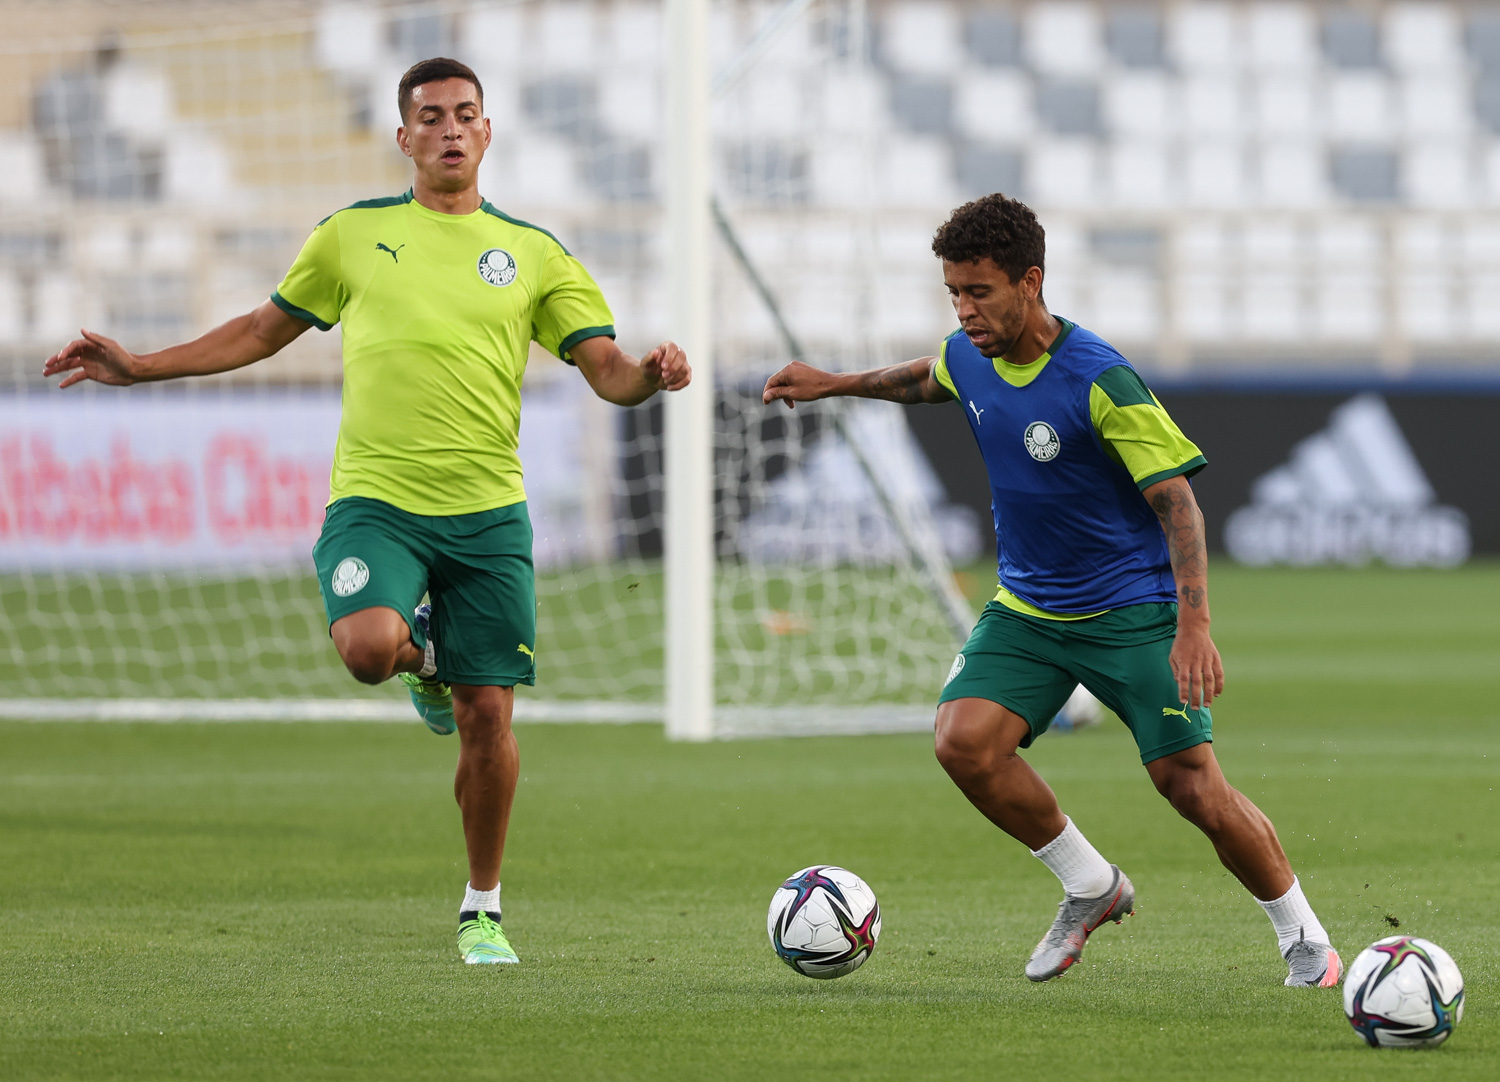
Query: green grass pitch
{"type": "Point", "coordinates": [278, 901]}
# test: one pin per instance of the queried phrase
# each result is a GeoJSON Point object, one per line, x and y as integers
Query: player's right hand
{"type": "Point", "coordinates": [93, 357]}
{"type": "Point", "coordinates": [797, 382]}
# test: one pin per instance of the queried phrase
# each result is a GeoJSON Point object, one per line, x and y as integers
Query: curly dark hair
{"type": "Point", "coordinates": [996, 226]}
{"type": "Point", "coordinates": [432, 71]}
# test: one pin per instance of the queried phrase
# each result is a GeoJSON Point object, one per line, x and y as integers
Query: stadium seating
{"type": "Point", "coordinates": [1236, 121]}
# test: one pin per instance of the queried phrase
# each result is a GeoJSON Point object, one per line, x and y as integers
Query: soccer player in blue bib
{"type": "Point", "coordinates": [1103, 582]}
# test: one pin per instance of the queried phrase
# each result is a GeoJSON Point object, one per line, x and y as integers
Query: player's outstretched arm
{"type": "Point", "coordinates": [243, 340]}
{"type": "Point", "coordinates": [1195, 658]}
{"type": "Point", "coordinates": [618, 377]}
{"type": "Point", "coordinates": [909, 382]}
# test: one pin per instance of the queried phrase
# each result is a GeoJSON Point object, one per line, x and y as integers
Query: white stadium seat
{"type": "Point", "coordinates": [1269, 243]}
{"type": "Point", "coordinates": [540, 170]}
{"type": "Point", "coordinates": [1347, 306]}
{"type": "Point", "coordinates": [1126, 304]}
{"type": "Point", "coordinates": [197, 172]}
{"type": "Point", "coordinates": [1142, 173]}
{"type": "Point", "coordinates": [1142, 103]}
{"type": "Point", "coordinates": [1426, 305]}
{"type": "Point", "coordinates": [1425, 242]}
{"type": "Point", "coordinates": [921, 38]}
{"type": "Point", "coordinates": [630, 104]}
{"type": "Point", "coordinates": [1286, 106]}
{"type": "Point", "coordinates": [1438, 175]}
{"type": "Point", "coordinates": [1212, 105]}
{"type": "Point", "coordinates": [349, 38]}
{"type": "Point", "coordinates": [1435, 105]}
{"type": "Point", "coordinates": [1271, 307]}
{"type": "Point", "coordinates": [1064, 37]}
{"type": "Point", "coordinates": [911, 305]}
{"type": "Point", "coordinates": [489, 41]}
{"type": "Point", "coordinates": [915, 171]}
{"type": "Point", "coordinates": [850, 103]}
{"type": "Point", "coordinates": [1063, 173]}
{"type": "Point", "coordinates": [994, 105]}
{"type": "Point", "coordinates": [57, 310]}
{"type": "Point", "coordinates": [1281, 36]}
{"type": "Point", "coordinates": [1360, 107]}
{"type": "Point", "coordinates": [1346, 242]}
{"type": "Point", "coordinates": [138, 101]}
{"type": "Point", "coordinates": [1213, 175]}
{"type": "Point", "coordinates": [841, 171]}
{"type": "Point", "coordinates": [1480, 246]}
{"type": "Point", "coordinates": [1201, 312]}
{"type": "Point", "coordinates": [1292, 175]}
{"type": "Point", "coordinates": [22, 181]}
{"type": "Point", "coordinates": [563, 34]}
{"type": "Point", "coordinates": [636, 34]}
{"type": "Point", "coordinates": [1423, 36]}
{"type": "Point", "coordinates": [168, 245]}
{"type": "Point", "coordinates": [1205, 37]}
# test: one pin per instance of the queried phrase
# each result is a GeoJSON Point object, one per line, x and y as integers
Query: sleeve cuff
{"type": "Point", "coordinates": [1187, 469]}
{"type": "Point", "coordinates": [573, 339]}
{"type": "Point", "coordinates": [299, 313]}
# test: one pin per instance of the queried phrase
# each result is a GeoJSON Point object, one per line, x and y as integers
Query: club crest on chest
{"type": "Point", "coordinates": [1041, 441]}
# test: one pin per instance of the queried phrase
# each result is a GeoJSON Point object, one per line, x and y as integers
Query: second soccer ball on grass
{"type": "Point", "coordinates": [824, 921]}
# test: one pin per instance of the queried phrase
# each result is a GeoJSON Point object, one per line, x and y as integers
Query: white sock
{"type": "Point", "coordinates": [1293, 919]}
{"type": "Point", "coordinates": [429, 661]}
{"type": "Point", "coordinates": [476, 900]}
{"type": "Point", "coordinates": [1084, 873]}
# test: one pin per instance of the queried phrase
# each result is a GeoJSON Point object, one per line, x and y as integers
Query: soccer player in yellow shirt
{"type": "Point", "coordinates": [440, 296]}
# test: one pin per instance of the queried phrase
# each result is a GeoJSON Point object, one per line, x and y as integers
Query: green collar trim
{"type": "Point", "coordinates": [489, 208]}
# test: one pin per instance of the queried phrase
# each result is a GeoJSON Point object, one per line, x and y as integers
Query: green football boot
{"type": "Point", "coordinates": [432, 698]}
{"type": "Point", "coordinates": [481, 942]}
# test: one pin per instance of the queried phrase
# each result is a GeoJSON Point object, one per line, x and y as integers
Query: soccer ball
{"type": "Point", "coordinates": [1079, 712]}
{"type": "Point", "coordinates": [824, 921]}
{"type": "Point", "coordinates": [1404, 992]}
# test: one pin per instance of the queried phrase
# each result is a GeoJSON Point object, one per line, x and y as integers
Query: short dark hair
{"type": "Point", "coordinates": [996, 226]}
{"type": "Point", "coordinates": [431, 71]}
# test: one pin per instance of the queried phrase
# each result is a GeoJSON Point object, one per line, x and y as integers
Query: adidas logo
{"type": "Point", "coordinates": [1349, 494]}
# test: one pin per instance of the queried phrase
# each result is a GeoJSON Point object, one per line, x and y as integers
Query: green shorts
{"type": "Point", "coordinates": [476, 568]}
{"type": "Point", "coordinates": [1030, 665]}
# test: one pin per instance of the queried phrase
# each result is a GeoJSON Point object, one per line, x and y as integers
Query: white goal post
{"type": "Point", "coordinates": [689, 443]}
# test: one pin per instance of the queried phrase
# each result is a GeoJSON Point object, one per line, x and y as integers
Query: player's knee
{"type": "Point", "coordinates": [1199, 803]}
{"type": "Point", "coordinates": [368, 663]}
{"type": "Point", "coordinates": [960, 754]}
{"type": "Point", "coordinates": [483, 717]}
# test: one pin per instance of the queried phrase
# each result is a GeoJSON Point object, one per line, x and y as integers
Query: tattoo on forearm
{"type": "Point", "coordinates": [1182, 522]}
{"type": "Point", "coordinates": [904, 383]}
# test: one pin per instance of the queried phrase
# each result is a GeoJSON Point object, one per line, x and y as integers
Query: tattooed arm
{"type": "Point", "coordinates": [1195, 659]}
{"type": "Point", "coordinates": [909, 382]}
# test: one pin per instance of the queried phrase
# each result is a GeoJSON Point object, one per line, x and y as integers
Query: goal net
{"type": "Point", "coordinates": [160, 164]}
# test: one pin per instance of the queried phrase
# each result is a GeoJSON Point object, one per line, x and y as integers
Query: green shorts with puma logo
{"type": "Point", "coordinates": [1030, 666]}
{"type": "Point", "coordinates": [476, 568]}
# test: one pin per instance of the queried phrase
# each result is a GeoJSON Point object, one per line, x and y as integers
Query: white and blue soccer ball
{"type": "Point", "coordinates": [824, 921]}
{"type": "Point", "coordinates": [1404, 992]}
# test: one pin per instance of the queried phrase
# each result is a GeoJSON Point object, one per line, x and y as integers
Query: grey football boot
{"type": "Point", "coordinates": [1312, 965]}
{"type": "Point", "coordinates": [1076, 920]}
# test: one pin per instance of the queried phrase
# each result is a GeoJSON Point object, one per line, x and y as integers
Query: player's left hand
{"type": "Point", "coordinates": [1197, 666]}
{"type": "Point", "coordinates": [666, 367]}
